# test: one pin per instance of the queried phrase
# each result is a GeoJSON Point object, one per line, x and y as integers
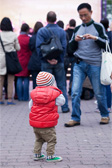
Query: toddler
{"type": "Point", "coordinates": [43, 117]}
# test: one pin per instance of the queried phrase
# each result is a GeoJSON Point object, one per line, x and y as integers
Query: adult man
{"type": "Point", "coordinates": [54, 66]}
{"type": "Point", "coordinates": [87, 41]}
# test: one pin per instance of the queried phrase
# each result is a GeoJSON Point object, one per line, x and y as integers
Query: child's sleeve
{"type": "Point", "coordinates": [60, 100]}
{"type": "Point", "coordinates": [30, 104]}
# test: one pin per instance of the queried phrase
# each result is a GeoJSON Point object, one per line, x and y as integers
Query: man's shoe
{"type": "Point", "coordinates": [54, 159]}
{"type": "Point", "coordinates": [72, 123]}
{"type": "Point", "coordinates": [66, 111]}
{"type": "Point", "coordinates": [104, 120]}
{"type": "Point", "coordinates": [39, 157]}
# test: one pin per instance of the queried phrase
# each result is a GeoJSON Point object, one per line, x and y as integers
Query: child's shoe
{"type": "Point", "coordinates": [39, 157]}
{"type": "Point", "coordinates": [54, 159]}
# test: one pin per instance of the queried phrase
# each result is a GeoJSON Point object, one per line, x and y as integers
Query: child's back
{"type": "Point", "coordinates": [44, 115]}
{"type": "Point", "coordinates": [44, 112]}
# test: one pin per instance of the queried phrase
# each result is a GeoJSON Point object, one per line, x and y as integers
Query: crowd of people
{"type": "Point", "coordinates": [82, 47]}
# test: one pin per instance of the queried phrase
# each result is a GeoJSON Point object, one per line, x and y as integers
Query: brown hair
{"type": "Point", "coordinates": [37, 26]}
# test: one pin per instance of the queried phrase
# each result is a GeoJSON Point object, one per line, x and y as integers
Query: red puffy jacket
{"type": "Point", "coordinates": [44, 112]}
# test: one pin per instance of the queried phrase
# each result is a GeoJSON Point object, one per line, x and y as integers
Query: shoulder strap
{"type": "Point", "coordinates": [50, 31]}
{"type": "Point", "coordinates": [107, 47]}
{"type": "Point", "coordinates": [2, 44]}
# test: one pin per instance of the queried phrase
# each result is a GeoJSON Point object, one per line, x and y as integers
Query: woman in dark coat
{"type": "Point", "coordinates": [24, 56]}
{"type": "Point", "coordinates": [34, 64]}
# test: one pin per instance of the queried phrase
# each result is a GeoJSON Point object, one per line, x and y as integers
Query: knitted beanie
{"type": "Point", "coordinates": [45, 79]}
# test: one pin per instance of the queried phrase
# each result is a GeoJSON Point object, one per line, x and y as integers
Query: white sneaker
{"type": "Point", "coordinates": [97, 110]}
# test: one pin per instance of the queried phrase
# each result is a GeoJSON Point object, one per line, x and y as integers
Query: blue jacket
{"type": "Point", "coordinates": [35, 62]}
{"type": "Point", "coordinates": [44, 34]}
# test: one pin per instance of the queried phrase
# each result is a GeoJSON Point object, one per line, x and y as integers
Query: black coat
{"type": "Point", "coordinates": [69, 35]}
{"type": "Point", "coordinates": [35, 62]}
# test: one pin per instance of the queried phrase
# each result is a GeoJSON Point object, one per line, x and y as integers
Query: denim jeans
{"type": "Point", "coordinates": [23, 88]}
{"type": "Point", "coordinates": [108, 93]}
{"type": "Point", "coordinates": [80, 71]}
{"type": "Point", "coordinates": [59, 73]}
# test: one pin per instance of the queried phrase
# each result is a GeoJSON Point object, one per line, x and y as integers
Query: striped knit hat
{"type": "Point", "coordinates": [45, 79]}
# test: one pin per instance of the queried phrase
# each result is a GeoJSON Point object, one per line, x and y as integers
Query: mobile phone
{"type": "Point", "coordinates": [81, 36]}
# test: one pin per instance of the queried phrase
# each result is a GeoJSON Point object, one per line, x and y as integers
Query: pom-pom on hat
{"type": "Point", "coordinates": [45, 79]}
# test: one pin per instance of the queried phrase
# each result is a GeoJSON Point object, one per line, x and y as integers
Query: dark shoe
{"type": "Point", "coordinates": [66, 111]}
{"type": "Point", "coordinates": [72, 123]}
{"type": "Point", "coordinates": [1, 102]}
{"type": "Point", "coordinates": [104, 120]}
{"type": "Point", "coordinates": [11, 103]}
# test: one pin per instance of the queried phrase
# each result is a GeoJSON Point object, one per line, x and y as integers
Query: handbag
{"type": "Point", "coordinates": [52, 48]}
{"type": "Point", "coordinates": [106, 66]}
{"type": "Point", "coordinates": [12, 62]}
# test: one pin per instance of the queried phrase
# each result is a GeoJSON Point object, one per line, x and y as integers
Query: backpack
{"type": "Point", "coordinates": [87, 94]}
{"type": "Point", "coordinates": [52, 48]}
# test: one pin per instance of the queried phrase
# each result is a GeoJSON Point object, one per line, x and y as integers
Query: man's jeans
{"type": "Point", "coordinates": [80, 71]}
{"type": "Point", "coordinates": [59, 73]}
{"type": "Point", "coordinates": [108, 93]}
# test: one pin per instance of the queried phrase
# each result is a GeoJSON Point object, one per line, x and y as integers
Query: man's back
{"type": "Point", "coordinates": [44, 35]}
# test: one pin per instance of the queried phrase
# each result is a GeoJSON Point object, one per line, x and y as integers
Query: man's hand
{"type": "Point", "coordinates": [85, 37]}
{"type": "Point", "coordinates": [53, 61]}
{"type": "Point", "coordinates": [78, 38]}
{"type": "Point", "coordinates": [89, 36]}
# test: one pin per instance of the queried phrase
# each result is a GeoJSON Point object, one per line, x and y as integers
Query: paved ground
{"type": "Point", "coordinates": [86, 146]}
